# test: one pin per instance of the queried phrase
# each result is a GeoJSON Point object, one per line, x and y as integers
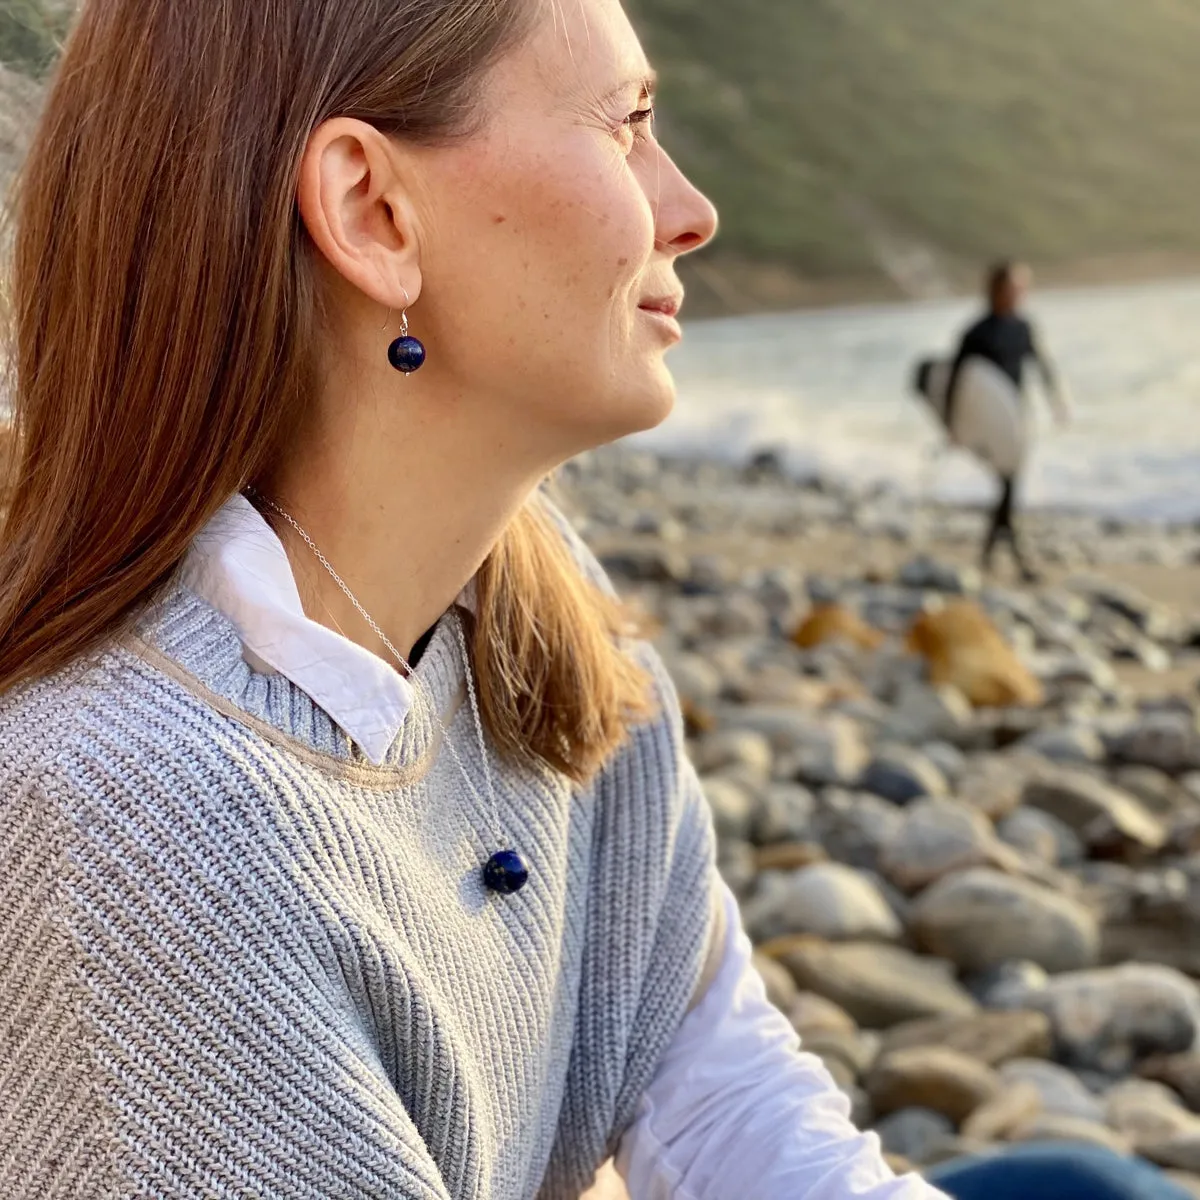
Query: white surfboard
{"type": "Point", "coordinates": [989, 416]}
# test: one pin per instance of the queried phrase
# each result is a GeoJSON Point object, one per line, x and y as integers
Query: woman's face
{"type": "Point", "coordinates": [548, 240]}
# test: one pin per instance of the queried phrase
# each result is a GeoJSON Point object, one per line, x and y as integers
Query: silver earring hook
{"type": "Point", "coordinates": [404, 312]}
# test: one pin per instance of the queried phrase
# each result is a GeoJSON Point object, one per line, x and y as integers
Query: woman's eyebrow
{"type": "Point", "coordinates": [647, 80]}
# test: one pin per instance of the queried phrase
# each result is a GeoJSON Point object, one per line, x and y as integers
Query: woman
{"type": "Point", "coordinates": [347, 844]}
{"type": "Point", "coordinates": [282, 916]}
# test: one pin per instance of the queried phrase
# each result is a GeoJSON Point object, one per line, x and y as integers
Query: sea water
{"type": "Point", "coordinates": [830, 391]}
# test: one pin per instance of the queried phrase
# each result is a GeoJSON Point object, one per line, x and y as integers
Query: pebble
{"type": "Point", "coordinates": [830, 900]}
{"type": "Point", "coordinates": [878, 985]}
{"type": "Point", "coordinates": [911, 1132]}
{"type": "Point", "coordinates": [1043, 837]}
{"type": "Point", "coordinates": [938, 838]}
{"type": "Point", "coordinates": [1053, 1127]}
{"type": "Point", "coordinates": [1096, 810]}
{"type": "Point", "coordinates": [732, 807]}
{"type": "Point", "coordinates": [902, 774]}
{"type": "Point", "coordinates": [1061, 1093]}
{"type": "Point", "coordinates": [980, 918]}
{"type": "Point", "coordinates": [933, 1077]}
{"type": "Point", "coordinates": [1107, 1019]}
{"type": "Point", "coordinates": [992, 1038]}
{"type": "Point", "coordinates": [1015, 1104]}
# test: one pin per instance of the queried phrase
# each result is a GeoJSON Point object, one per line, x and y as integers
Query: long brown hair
{"type": "Point", "coordinates": [164, 307]}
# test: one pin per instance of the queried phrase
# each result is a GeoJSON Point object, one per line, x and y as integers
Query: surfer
{"type": "Point", "coordinates": [1006, 339]}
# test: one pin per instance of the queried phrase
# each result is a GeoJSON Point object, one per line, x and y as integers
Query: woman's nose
{"type": "Point", "coordinates": [685, 218]}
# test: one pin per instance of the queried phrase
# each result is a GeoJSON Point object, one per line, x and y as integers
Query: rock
{"type": "Point", "coordinates": [855, 826]}
{"type": "Point", "coordinates": [965, 649]}
{"type": "Point", "coordinates": [993, 784]}
{"type": "Point", "coordinates": [1095, 810]}
{"type": "Point", "coordinates": [1042, 837]}
{"type": "Point", "coordinates": [923, 712]}
{"type": "Point", "coordinates": [738, 866]}
{"type": "Point", "coordinates": [911, 1131]}
{"type": "Point", "coordinates": [789, 856]}
{"type": "Point", "coordinates": [785, 813]}
{"type": "Point", "coordinates": [926, 574]}
{"type": "Point", "coordinates": [647, 564]}
{"type": "Point", "coordinates": [901, 775]}
{"type": "Point", "coordinates": [1180, 1072]}
{"type": "Point", "coordinates": [992, 1038]}
{"type": "Point", "coordinates": [732, 807]}
{"type": "Point", "coordinates": [781, 987]}
{"type": "Point", "coordinates": [948, 759]}
{"type": "Point", "coordinates": [810, 1013]}
{"type": "Point", "coordinates": [697, 681]}
{"type": "Point", "coordinates": [832, 623]}
{"type": "Point", "coordinates": [1061, 1093]}
{"type": "Point", "coordinates": [980, 918]}
{"type": "Point", "coordinates": [828, 899]}
{"type": "Point", "coordinates": [726, 748]}
{"type": "Point", "coordinates": [1180, 1152]}
{"type": "Point", "coordinates": [1107, 1019]}
{"type": "Point", "coordinates": [1052, 1127]}
{"type": "Point", "coordinates": [931, 1077]}
{"type": "Point", "coordinates": [818, 750]}
{"type": "Point", "coordinates": [1010, 985]}
{"type": "Point", "coordinates": [1169, 741]}
{"type": "Point", "coordinates": [1161, 795]}
{"type": "Point", "coordinates": [1147, 1112]}
{"type": "Point", "coordinates": [1073, 745]}
{"type": "Point", "coordinates": [878, 985]}
{"type": "Point", "coordinates": [1014, 1105]}
{"type": "Point", "coordinates": [855, 1050]}
{"type": "Point", "coordinates": [937, 838]}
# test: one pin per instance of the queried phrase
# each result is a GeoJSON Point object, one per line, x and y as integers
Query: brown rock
{"type": "Point", "coordinates": [878, 985]}
{"type": "Point", "coordinates": [781, 987]}
{"type": "Point", "coordinates": [1016, 1105]}
{"type": "Point", "coordinates": [1147, 1113]}
{"type": "Point", "coordinates": [980, 918]}
{"type": "Point", "coordinates": [965, 649]}
{"type": "Point", "coordinates": [856, 1050]}
{"type": "Point", "coordinates": [1054, 1127]}
{"type": "Point", "coordinates": [810, 1013]}
{"type": "Point", "coordinates": [788, 856]}
{"type": "Point", "coordinates": [1100, 813]}
{"type": "Point", "coordinates": [1178, 1071]}
{"type": "Point", "coordinates": [931, 1077]}
{"type": "Point", "coordinates": [1181, 1152]}
{"type": "Point", "coordinates": [990, 1037]}
{"type": "Point", "coordinates": [899, 1164]}
{"type": "Point", "coordinates": [834, 622]}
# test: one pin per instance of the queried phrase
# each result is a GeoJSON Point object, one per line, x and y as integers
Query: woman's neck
{"type": "Point", "coordinates": [406, 528]}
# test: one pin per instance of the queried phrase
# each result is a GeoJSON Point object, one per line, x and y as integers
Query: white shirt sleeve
{"type": "Point", "coordinates": [735, 1109]}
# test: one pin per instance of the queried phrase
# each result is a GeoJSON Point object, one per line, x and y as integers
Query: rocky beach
{"type": "Point", "coordinates": [962, 817]}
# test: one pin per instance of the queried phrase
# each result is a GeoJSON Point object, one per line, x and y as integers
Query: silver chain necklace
{"type": "Point", "coordinates": [504, 871]}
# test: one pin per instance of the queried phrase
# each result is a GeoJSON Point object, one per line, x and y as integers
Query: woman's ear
{"type": "Point", "coordinates": [358, 211]}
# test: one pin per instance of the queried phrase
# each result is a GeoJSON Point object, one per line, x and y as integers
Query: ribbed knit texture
{"type": "Point", "coordinates": [237, 960]}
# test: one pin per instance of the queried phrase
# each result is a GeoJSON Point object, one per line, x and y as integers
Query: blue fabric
{"type": "Point", "coordinates": [1054, 1172]}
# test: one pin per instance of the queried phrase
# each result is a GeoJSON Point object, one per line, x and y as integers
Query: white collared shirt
{"type": "Point", "coordinates": [731, 1089]}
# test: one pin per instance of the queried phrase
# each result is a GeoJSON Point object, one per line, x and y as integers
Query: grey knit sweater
{"type": "Point", "coordinates": [238, 960]}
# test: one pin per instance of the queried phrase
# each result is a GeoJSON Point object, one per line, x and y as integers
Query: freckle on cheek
{"type": "Point", "coordinates": [499, 219]}
{"type": "Point", "coordinates": [622, 262]}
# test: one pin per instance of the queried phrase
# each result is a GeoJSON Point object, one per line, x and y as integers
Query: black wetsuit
{"type": "Point", "coordinates": [1008, 341]}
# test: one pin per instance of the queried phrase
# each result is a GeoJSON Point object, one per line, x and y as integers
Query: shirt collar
{"type": "Point", "coordinates": [239, 566]}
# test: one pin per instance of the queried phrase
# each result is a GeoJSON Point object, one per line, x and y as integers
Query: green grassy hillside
{"type": "Point", "coordinates": [912, 138]}
{"type": "Point", "coordinates": [888, 146]}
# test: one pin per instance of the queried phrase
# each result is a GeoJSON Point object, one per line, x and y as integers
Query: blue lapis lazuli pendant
{"type": "Point", "coordinates": [407, 354]}
{"type": "Point", "coordinates": [505, 872]}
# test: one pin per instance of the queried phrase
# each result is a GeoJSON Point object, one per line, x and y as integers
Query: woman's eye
{"type": "Point", "coordinates": [637, 126]}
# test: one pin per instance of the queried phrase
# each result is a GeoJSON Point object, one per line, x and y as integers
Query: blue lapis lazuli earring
{"type": "Point", "coordinates": [406, 353]}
